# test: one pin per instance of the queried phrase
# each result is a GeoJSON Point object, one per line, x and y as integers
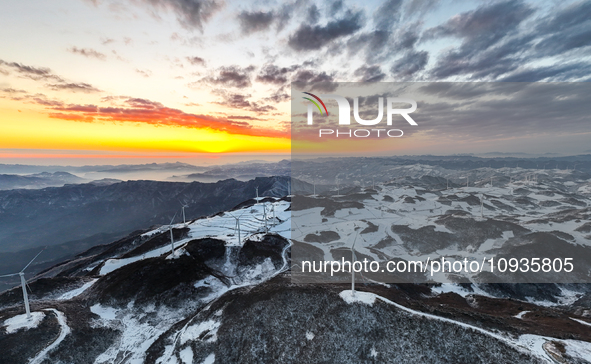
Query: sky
{"type": "Point", "coordinates": [103, 82]}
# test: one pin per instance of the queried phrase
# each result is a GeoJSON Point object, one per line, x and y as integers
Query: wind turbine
{"type": "Point", "coordinates": [467, 180]}
{"type": "Point", "coordinates": [237, 226]}
{"type": "Point", "coordinates": [183, 205]}
{"type": "Point", "coordinates": [353, 259]}
{"type": "Point", "coordinates": [482, 206]}
{"type": "Point", "coordinates": [257, 192]}
{"type": "Point", "coordinates": [171, 236]}
{"type": "Point", "coordinates": [24, 284]}
{"type": "Point", "coordinates": [265, 216]}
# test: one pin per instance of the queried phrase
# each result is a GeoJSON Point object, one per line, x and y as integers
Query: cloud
{"type": "Point", "coordinates": [484, 26]}
{"type": "Point", "coordinates": [481, 30]}
{"type": "Point", "coordinates": [41, 99]}
{"type": "Point", "coordinates": [307, 76]}
{"type": "Point", "coordinates": [55, 82]}
{"type": "Point", "coordinates": [387, 14]}
{"type": "Point", "coordinates": [313, 14]}
{"type": "Point", "coordinates": [411, 63]}
{"type": "Point", "coordinates": [33, 73]}
{"type": "Point", "coordinates": [22, 95]}
{"type": "Point", "coordinates": [144, 73]}
{"type": "Point", "coordinates": [79, 108]}
{"type": "Point", "coordinates": [240, 101]}
{"type": "Point", "coordinates": [255, 21]}
{"type": "Point", "coordinates": [308, 37]}
{"type": "Point", "coordinates": [381, 46]}
{"type": "Point", "coordinates": [275, 75]}
{"type": "Point", "coordinates": [137, 110]}
{"type": "Point", "coordinates": [498, 44]}
{"type": "Point", "coordinates": [565, 30]}
{"type": "Point", "coordinates": [486, 111]}
{"type": "Point", "coordinates": [75, 87]}
{"type": "Point", "coordinates": [575, 71]}
{"type": "Point", "coordinates": [369, 74]}
{"type": "Point", "coordinates": [278, 97]}
{"type": "Point", "coordinates": [10, 90]}
{"type": "Point", "coordinates": [197, 61]}
{"type": "Point", "coordinates": [243, 117]}
{"type": "Point", "coordinates": [190, 13]}
{"type": "Point", "coordinates": [315, 80]}
{"type": "Point", "coordinates": [420, 7]}
{"type": "Point", "coordinates": [88, 52]}
{"type": "Point", "coordinates": [230, 76]}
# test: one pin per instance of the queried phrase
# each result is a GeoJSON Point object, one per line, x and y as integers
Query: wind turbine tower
{"type": "Point", "coordinates": [171, 236]}
{"type": "Point", "coordinates": [481, 206]}
{"type": "Point", "coordinates": [24, 284]}
{"type": "Point", "coordinates": [183, 205]}
{"type": "Point", "coordinates": [237, 226]}
{"type": "Point", "coordinates": [265, 217]}
{"type": "Point", "coordinates": [353, 259]}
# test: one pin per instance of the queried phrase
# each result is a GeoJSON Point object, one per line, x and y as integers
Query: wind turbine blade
{"type": "Point", "coordinates": [29, 287]}
{"type": "Point", "coordinates": [355, 240]}
{"type": "Point", "coordinates": [27, 266]}
{"type": "Point", "coordinates": [172, 219]}
{"type": "Point", "coordinates": [9, 275]}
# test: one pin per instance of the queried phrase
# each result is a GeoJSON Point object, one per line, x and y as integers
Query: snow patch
{"type": "Point", "coordinates": [16, 323]}
{"type": "Point", "coordinates": [520, 315]}
{"type": "Point", "coordinates": [187, 355]}
{"type": "Point", "coordinates": [310, 335]}
{"type": "Point", "coordinates": [76, 292]}
{"type": "Point", "coordinates": [566, 298]}
{"type": "Point", "coordinates": [194, 332]}
{"type": "Point", "coordinates": [106, 313]}
{"type": "Point", "coordinates": [373, 352]}
{"type": "Point", "coordinates": [581, 321]}
{"type": "Point", "coordinates": [459, 290]}
{"type": "Point", "coordinates": [578, 349]}
{"type": "Point", "coordinates": [210, 359]}
{"type": "Point", "coordinates": [362, 297]}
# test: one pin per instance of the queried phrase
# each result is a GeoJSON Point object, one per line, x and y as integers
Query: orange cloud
{"type": "Point", "coordinates": [154, 113]}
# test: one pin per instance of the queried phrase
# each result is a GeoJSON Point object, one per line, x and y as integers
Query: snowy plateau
{"type": "Point", "coordinates": [226, 295]}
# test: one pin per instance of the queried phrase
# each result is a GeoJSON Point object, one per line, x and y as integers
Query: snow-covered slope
{"type": "Point", "coordinates": [225, 296]}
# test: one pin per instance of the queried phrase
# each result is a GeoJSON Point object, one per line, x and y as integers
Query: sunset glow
{"type": "Point", "coordinates": [160, 78]}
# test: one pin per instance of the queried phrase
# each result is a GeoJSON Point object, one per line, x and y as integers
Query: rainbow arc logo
{"type": "Point", "coordinates": [315, 103]}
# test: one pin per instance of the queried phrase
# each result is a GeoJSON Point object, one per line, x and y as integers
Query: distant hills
{"type": "Point", "coordinates": [38, 180]}
{"type": "Point", "coordinates": [73, 218]}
